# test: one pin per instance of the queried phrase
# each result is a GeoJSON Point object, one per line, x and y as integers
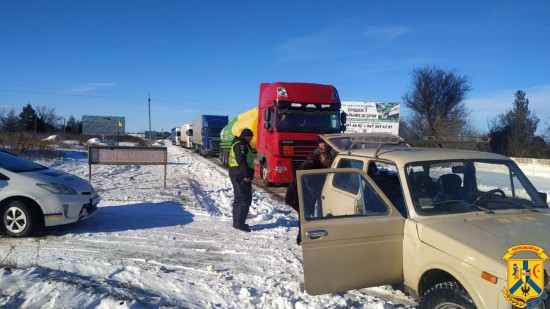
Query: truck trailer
{"type": "Point", "coordinates": [206, 134]}
{"type": "Point", "coordinates": [186, 135]}
{"type": "Point", "coordinates": [286, 123]}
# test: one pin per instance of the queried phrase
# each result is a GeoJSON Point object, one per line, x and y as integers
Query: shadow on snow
{"type": "Point", "coordinates": [128, 217]}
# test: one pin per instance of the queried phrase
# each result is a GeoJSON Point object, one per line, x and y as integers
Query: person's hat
{"type": "Point", "coordinates": [247, 133]}
{"type": "Point", "coordinates": [320, 140]}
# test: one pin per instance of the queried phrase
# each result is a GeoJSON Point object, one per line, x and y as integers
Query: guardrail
{"type": "Point", "coordinates": [534, 167]}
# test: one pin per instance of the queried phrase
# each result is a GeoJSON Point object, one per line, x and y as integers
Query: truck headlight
{"type": "Point", "coordinates": [282, 92]}
{"type": "Point", "coordinates": [56, 188]}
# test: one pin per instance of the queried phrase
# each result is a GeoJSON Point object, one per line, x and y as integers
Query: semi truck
{"type": "Point", "coordinates": [286, 123]}
{"type": "Point", "coordinates": [175, 136]}
{"type": "Point", "coordinates": [206, 134]}
{"type": "Point", "coordinates": [186, 135]}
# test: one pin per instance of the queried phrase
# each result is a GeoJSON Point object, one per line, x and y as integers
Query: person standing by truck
{"type": "Point", "coordinates": [241, 172]}
{"type": "Point", "coordinates": [323, 146]}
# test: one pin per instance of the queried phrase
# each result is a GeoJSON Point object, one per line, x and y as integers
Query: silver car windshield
{"type": "Point", "coordinates": [443, 187]}
{"type": "Point", "coordinates": [17, 164]}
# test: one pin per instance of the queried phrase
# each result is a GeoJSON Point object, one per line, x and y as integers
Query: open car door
{"type": "Point", "coordinates": [352, 236]}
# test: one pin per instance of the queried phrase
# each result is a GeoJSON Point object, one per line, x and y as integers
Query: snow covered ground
{"type": "Point", "coordinates": [150, 247]}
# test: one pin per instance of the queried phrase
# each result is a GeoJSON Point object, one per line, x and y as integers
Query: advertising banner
{"type": "Point", "coordinates": [371, 117]}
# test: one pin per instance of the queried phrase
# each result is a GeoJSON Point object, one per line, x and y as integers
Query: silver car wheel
{"type": "Point", "coordinates": [15, 220]}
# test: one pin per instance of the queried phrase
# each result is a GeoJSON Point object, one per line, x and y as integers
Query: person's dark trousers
{"type": "Point", "coordinates": [242, 191]}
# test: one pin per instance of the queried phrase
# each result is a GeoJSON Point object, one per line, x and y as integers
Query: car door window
{"type": "Point", "coordinates": [386, 178]}
{"type": "Point", "coordinates": [338, 194]}
{"type": "Point", "coordinates": [342, 181]}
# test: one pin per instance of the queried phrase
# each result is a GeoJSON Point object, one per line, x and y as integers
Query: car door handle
{"type": "Point", "coordinates": [316, 234]}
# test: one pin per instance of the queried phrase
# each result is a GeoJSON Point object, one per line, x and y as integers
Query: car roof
{"type": "Point", "coordinates": [394, 148]}
{"type": "Point", "coordinates": [403, 155]}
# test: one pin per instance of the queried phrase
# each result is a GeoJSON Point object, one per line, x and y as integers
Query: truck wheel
{"type": "Point", "coordinates": [224, 159]}
{"type": "Point", "coordinates": [264, 175]}
{"type": "Point", "coordinates": [447, 295]}
{"type": "Point", "coordinates": [19, 219]}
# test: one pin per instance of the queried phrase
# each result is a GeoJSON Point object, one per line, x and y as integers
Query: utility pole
{"type": "Point", "coordinates": [150, 137]}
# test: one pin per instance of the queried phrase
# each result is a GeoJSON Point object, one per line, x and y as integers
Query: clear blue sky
{"type": "Point", "coordinates": [194, 57]}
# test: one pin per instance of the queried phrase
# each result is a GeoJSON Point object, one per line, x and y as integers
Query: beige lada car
{"type": "Point", "coordinates": [453, 228]}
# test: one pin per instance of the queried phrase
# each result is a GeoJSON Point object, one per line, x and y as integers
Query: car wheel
{"type": "Point", "coordinates": [447, 295]}
{"type": "Point", "coordinates": [19, 219]}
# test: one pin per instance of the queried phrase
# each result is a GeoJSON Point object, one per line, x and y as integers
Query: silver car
{"type": "Point", "coordinates": [33, 196]}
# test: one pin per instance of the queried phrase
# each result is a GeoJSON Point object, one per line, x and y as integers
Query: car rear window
{"type": "Point", "coordinates": [17, 164]}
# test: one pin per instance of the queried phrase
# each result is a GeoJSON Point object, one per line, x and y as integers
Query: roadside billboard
{"type": "Point", "coordinates": [103, 125]}
{"type": "Point", "coordinates": [371, 117]}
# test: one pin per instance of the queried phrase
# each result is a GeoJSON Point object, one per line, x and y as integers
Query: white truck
{"type": "Point", "coordinates": [175, 136]}
{"type": "Point", "coordinates": [453, 228]}
{"type": "Point", "coordinates": [186, 135]}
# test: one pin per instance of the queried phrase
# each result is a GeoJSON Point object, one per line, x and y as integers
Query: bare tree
{"type": "Point", "coordinates": [48, 118]}
{"type": "Point", "coordinates": [10, 122]}
{"type": "Point", "coordinates": [2, 118]}
{"type": "Point", "coordinates": [436, 103]}
{"type": "Point", "coordinates": [546, 133]}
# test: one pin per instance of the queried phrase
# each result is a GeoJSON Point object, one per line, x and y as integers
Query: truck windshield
{"type": "Point", "coordinates": [213, 132]}
{"type": "Point", "coordinates": [291, 120]}
{"type": "Point", "coordinates": [455, 186]}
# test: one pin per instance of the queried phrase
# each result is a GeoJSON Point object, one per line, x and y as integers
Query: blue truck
{"type": "Point", "coordinates": [206, 134]}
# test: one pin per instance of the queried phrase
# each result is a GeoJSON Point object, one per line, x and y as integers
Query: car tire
{"type": "Point", "coordinates": [446, 295]}
{"type": "Point", "coordinates": [19, 219]}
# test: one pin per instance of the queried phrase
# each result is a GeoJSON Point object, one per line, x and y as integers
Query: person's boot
{"type": "Point", "coordinates": [242, 227]}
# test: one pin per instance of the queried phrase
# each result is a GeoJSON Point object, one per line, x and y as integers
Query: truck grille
{"type": "Point", "coordinates": [297, 149]}
{"type": "Point", "coordinates": [215, 145]}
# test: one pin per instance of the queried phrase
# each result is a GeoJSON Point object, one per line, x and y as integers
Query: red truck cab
{"type": "Point", "coordinates": [290, 117]}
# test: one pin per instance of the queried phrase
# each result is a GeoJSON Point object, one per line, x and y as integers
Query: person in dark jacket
{"type": "Point", "coordinates": [241, 172]}
{"type": "Point", "coordinates": [323, 146]}
{"type": "Point", "coordinates": [313, 161]}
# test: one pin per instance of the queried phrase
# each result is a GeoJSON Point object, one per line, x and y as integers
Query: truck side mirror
{"type": "Point", "coordinates": [343, 128]}
{"type": "Point", "coordinates": [267, 125]}
{"type": "Point", "coordinates": [267, 115]}
{"type": "Point", "coordinates": [343, 118]}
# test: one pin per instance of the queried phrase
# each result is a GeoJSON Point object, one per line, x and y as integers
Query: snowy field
{"type": "Point", "coordinates": [150, 247]}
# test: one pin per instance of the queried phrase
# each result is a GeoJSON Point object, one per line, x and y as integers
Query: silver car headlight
{"type": "Point", "coordinates": [57, 188]}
